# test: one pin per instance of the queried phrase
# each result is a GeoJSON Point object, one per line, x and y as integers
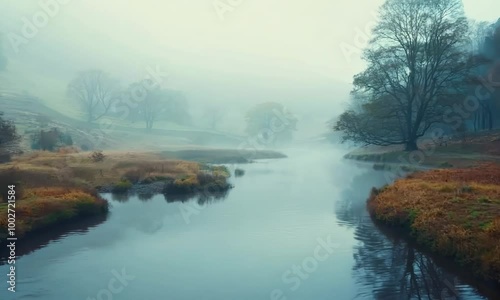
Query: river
{"type": "Point", "coordinates": [294, 228]}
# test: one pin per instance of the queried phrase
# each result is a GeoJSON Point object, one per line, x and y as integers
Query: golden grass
{"type": "Point", "coordinates": [44, 207]}
{"type": "Point", "coordinates": [454, 212]}
{"type": "Point", "coordinates": [44, 168]}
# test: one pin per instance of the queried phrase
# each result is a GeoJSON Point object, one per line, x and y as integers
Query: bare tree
{"type": "Point", "coordinates": [153, 105]}
{"type": "Point", "coordinates": [418, 63]}
{"type": "Point", "coordinates": [95, 91]}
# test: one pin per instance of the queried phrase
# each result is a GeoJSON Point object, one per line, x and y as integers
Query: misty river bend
{"type": "Point", "coordinates": [294, 228]}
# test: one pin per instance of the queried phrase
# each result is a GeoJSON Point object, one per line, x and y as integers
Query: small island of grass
{"type": "Point", "coordinates": [452, 212]}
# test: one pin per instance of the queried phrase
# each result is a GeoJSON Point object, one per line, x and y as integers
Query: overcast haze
{"type": "Point", "coordinates": [284, 51]}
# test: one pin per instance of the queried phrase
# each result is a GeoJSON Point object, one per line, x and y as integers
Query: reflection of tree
{"type": "Point", "coordinates": [205, 197]}
{"type": "Point", "coordinates": [393, 269]}
{"type": "Point", "coordinates": [120, 197]}
{"type": "Point", "coordinates": [387, 267]}
{"type": "Point", "coordinates": [146, 196]}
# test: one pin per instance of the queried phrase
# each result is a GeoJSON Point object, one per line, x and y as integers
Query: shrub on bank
{"type": "Point", "coordinates": [208, 181]}
{"type": "Point", "coordinates": [122, 187]}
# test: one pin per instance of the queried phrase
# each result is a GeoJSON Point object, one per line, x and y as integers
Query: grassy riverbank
{"type": "Point", "coordinates": [58, 187]}
{"type": "Point", "coordinates": [40, 208]}
{"type": "Point", "coordinates": [453, 212]}
{"type": "Point", "coordinates": [477, 148]}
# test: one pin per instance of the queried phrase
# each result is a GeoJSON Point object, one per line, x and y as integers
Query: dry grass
{"type": "Point", "coordinates": [454, 212]}
{"type": "Point", "coordinates": [44, 207]}
{"type": "Point", "coordinates": [54, 187]}
{"type": "Point", "coordinates": [42, 168]}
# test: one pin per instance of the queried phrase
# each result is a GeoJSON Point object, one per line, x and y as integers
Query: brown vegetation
{"type": "Point", "coordinates": [454, 212]}
{"type": "Point", "coordinates": [55, 187]}
{"type": "Point", "coordinates": [43, 168]}
{"type": "Point", "coordinates": [40, 208]}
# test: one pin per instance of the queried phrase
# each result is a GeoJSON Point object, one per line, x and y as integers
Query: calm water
{"type": "Point", "coordinates": [290, 229]}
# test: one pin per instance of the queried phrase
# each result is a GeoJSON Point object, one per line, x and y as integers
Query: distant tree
{"type": "Point", "coordinates": [271, 123]}
{"type": "Point", "coordinates": [159, 105]}
{"type": "Point", "coordinates": [9, 139]}
{"type": "Point", "coordinates": [418, 64]}
{"type": "Point", "coordinates": [152, 107]}
{"type": "Point", "coordinates": [95, 91]}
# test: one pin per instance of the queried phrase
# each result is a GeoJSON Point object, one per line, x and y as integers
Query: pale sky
{"type": "Point", "coordinates": [283, 50]}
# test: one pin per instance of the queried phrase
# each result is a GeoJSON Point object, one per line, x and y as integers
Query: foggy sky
{"type": "Point", "coordinates": [292, 52]}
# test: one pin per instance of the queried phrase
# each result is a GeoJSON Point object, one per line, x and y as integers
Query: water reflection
{"type": "Point", "coordinates": [201, 198]}
{"type": "Point", "coordinates": [389, 267]}
{"type": "Point", "coordinates": [120, 197]}
{"type": "Point", "coordinates": [35, 241]}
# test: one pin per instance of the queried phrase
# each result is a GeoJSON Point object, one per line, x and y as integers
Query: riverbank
{"type": "Point", "coordinates": [41, 208]}
{"type": "Point", "coordinates": [53, 188]}
{"type": "Point", "coordinates": [455, 153]}
{"type": "Point", "coordinates": [454, 213]}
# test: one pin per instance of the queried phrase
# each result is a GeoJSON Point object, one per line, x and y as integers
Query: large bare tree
{"type": "Point", "coordinates": [95, 91]}
{"type": "Point", "coordinates": [418, 61]}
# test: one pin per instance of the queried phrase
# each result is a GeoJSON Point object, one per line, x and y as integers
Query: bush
{"type": "Point", "coordinates": [183, 185]}
{"type": "Point", "coordinates": [50, 140]}
{"type": "Point", "coordinates": [122, 187]}
{"type": "Point", "coordinates": [97, 156]}
{"type": "Point", "coordinates": [221, 171]}
{"type": "Point", "coordinates": [151, 179]}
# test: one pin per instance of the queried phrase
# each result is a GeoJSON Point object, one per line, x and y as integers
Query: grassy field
{"type": "Point", "coordinates": [43, 168]}
{"type": "Point", "coordinates": [453, 212]}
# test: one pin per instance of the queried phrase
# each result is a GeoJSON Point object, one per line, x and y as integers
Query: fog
{"type": "Point", "coordinates": [297, 53]}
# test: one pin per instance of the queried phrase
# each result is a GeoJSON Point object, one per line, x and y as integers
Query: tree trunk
{"type": "Point", "coordinates": [490, 120]}
{"type": "Point", "coordinates": [411, 145]}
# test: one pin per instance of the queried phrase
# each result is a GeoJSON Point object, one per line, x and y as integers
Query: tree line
{"type": "Point", "coordinates": [99, 95]}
